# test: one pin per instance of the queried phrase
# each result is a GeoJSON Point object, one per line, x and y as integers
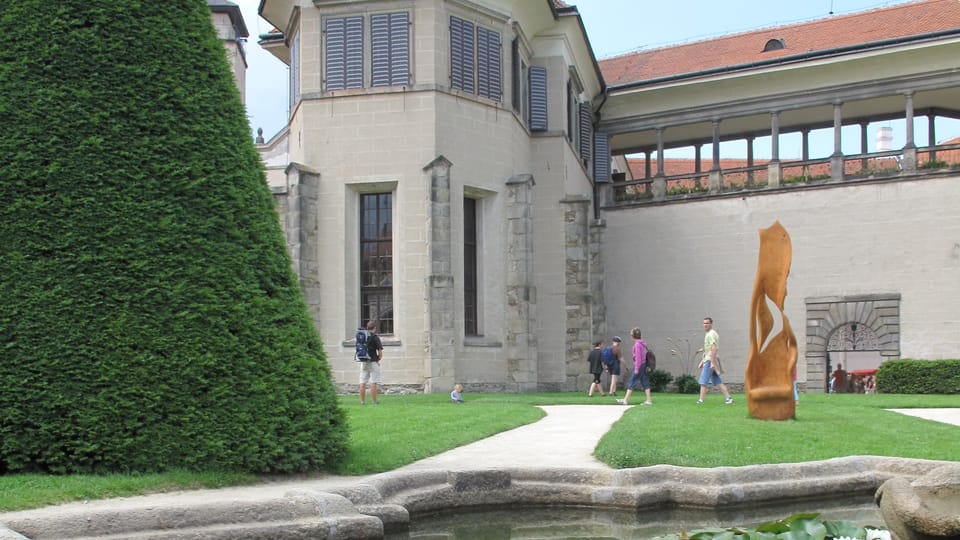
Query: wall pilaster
{"type": "Point", "coordinates": [440, 370]}
{"type": "Point", "coordinates": [521, 301]}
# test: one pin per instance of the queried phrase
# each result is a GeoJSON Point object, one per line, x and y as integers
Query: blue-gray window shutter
{"type": "Point", "coordinates": [601, 158]}
{"type": "Point", "coordinates": [390, 49]}
{"type": "Point", "coordinates": [538, 98]}
{"type": "Point", "coordinates": [344, 60]}
{"type": "Point", "coordinates": [489, 79]}
{"type": "Point", "coordinates": [461, 55]}
{"type": "Point", "coordinates": [586, 132]}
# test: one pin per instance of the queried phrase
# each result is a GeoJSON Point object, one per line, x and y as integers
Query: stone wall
{"type": "Point", "coordinates": [670, 265]}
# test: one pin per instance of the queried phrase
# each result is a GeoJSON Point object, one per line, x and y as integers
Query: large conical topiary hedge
{"type": "Point", "coordinates": [149, 317]}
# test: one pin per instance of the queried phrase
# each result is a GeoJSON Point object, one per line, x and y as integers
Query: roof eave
{"type": "Point", "coordinates": [809, 55]}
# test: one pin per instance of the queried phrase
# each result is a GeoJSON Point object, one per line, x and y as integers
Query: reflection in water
{"type": "Point", "coordinates": [619, 524]}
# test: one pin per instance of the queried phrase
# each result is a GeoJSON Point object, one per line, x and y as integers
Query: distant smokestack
{"type": "Point", "coordinates": [884, 139]}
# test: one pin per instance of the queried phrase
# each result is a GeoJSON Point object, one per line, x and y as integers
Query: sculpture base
{"type": "Point", "coordinates": [772, 403]}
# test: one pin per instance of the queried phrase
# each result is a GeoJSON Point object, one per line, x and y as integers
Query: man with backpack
{"type": "Point", "coordinates": [611, 358]}
{"type": "Point", "coordinates": [369, 352]}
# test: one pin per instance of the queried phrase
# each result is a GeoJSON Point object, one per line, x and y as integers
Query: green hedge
{"type": "Point", "coordinates": [149, 316]}
{"type": "Point", "coordinates": [919, 377]}
{"type": "Point", "coordinates": [687, 384]}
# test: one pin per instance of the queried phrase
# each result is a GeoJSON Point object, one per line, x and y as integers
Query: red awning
{"type": "Point", "coordinates": [864, 372]}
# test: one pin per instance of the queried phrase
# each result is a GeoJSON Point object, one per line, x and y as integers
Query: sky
{"type": "Point", "coordinates": [613, 27]}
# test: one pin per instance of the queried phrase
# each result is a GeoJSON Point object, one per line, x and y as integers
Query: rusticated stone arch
{"type": "Point", "coordinates": [831, 318]}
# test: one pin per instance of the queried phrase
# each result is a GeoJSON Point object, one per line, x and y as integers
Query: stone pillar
{"type": "Point", "coordinates": [836, 159]}
{"type": "Point", "coordinates": [440, 368]}
{"type": "Point", "coordinates": [302, 231]}
{"type": "Point", "coordinates": [578, 302]}
{"type": "Point", "coordinates": [864, 163]}
{"type": "Point", "coordinates": [598, 305]}
{"type": "Point", "coordinates": [659, 182]}
{"type": "Point", "coordinates": [716, 175]}
{"type": "Point", "coordinates": [773, 168]}
{"type": "Point", "coordinates": [750, 140]}
{"type": "Point", "coordinates": [521, 301]}
{"type": "Point", "coordinates": [806, 151]}
{"type": "Point", "coordinates": [648, 188]}
{"type": "Point", "coordinates": [932, 135]}
{"type": "Point", "coordinates": [909, 162]}
{"type": "Point", "coordinates": [697, 165]}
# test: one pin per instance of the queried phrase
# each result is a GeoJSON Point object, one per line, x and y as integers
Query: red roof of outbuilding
{"type": "Point", "coordinates": [903, 20]}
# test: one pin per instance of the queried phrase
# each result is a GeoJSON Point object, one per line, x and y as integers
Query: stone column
{"type": "Point", "coordinates": [578, 302]}
{"type": "Point", "coordinates": [302, 230]}
{"type": "Point", "coordinates": [836, 159]}
{"type": "Point", "coordinates": [521, 302]}
{"type": "Point", "coordinates": [697, 165]}
{"type": "Point", "coordinates": [440, 368]}
{"type": "Point", "coordinates": [909, 163]}
{"type": "Point", "coordinates": [932, 135]}
{"type": "Point", "coordinates": [806, 151]}
{"type": "Point", "coordinates": [750, 140]}
{"type": "Point", "coordinates": [659, 182]}
{"type": "Point", "coordinates": [773, 168]}
{"type": "Point", "coordinates": [864, 135]}
{"type": "Point", "coordinates": [716, 175]}
{"type": "Point", "coordinates": [598, 305]}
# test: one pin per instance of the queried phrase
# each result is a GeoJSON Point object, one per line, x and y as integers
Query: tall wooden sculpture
{"type": "Point", "coordinates": [773, 347]}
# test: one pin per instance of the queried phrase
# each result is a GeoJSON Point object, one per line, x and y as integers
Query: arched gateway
{"type": "Point", "coordinates": [852, 323]}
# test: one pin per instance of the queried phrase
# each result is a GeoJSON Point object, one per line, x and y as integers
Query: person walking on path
{"type": "Point", "coordinates": [595, 361]}
{"type": "Point", "coordinates": [370, 369]}
{"type": "Point", "coordinates": [710, 363]}
{"type": "Point", "coordinates": [612, 358]}
{"type": "Point", "coordinates": [639, 377]}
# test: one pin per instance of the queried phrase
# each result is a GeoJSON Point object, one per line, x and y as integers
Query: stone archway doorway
{"type": "Point", "coordinates": [856, 328]}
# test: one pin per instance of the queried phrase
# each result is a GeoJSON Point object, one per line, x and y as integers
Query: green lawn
{"type": "Point", "coordinates": [675, 430]}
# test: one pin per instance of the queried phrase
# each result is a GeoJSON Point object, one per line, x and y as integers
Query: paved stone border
{"type": "Point", "coordinates": [386, 502]}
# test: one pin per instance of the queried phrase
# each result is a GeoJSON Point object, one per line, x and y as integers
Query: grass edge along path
{"type": "Point", "coordinates": [675, 430]}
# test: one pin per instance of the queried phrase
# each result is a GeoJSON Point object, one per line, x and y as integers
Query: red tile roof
{"type": "Point", "coordinates": [903, 20]}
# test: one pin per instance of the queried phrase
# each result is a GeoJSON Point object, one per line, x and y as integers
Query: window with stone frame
{"type": "Point", "coordinates": [471, 227]}
{"type": "Point", "coordinates": [376, 260]}
{"type": "Point", "coordinates": [346, 53]}
{"type": "Point", "coordinates": [475, 59]}
{"type": "Point", "coordinates": [294, 69]}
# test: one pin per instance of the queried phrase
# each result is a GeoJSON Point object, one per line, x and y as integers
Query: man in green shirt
{"type": "Point", "coordinates": [710, 363]}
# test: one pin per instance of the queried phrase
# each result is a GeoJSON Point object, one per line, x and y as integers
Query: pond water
{"type": "Point", "coordinates": [619, 524]}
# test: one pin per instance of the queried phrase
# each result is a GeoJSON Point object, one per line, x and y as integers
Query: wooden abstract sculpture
{"type": "Point", "coordinates": [773, 347]}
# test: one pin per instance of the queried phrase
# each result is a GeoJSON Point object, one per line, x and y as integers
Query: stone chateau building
{"type": "Point", "coordinates": [470, 175]}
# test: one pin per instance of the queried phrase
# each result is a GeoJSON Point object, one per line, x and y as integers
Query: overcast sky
{"type": "Point", "coordinates": [613, 26]}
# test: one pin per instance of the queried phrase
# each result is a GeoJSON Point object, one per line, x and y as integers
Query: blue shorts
{"type": "Point", "coordinates": [639, 379]}
{"type": "Point", "coordinates": [708, 376]}
{"type": "Point", "coordinates": [614, 368]}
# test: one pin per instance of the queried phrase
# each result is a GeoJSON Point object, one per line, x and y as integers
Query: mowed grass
{"type": "Point", "coordinates": [675, 430]}
{"type": "Point", "coordinates": [678, 431]}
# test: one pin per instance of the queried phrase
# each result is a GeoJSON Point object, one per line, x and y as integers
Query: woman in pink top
{"type": "Point", "coordinates": [639, 376]}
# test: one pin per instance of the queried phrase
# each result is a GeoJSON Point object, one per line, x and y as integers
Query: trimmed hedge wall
{"type": "Point", "coordinates": [919, 377]}
{"type": "Point", "coordinates": [149, 316]}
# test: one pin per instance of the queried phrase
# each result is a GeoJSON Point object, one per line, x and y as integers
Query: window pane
{"type": "Point", "coordinates": [376, 260]}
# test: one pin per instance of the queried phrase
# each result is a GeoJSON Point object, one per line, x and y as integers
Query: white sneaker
{"type": "Point", "coordinates": [699, 402]}
{"type": "Point", "coordinates": [621, 402]}
{"type": "Point", "coordinates": [647, 403]}
{"type": "Point", "coordinates": [728, 401]}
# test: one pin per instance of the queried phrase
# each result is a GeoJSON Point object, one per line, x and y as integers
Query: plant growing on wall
{"type": "Point", "coordinates": [149, 316]}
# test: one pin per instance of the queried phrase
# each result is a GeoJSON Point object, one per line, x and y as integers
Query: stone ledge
{"type": "Point", "coordinates": [386, 502]}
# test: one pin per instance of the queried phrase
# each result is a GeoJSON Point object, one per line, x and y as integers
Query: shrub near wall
{"type": "Point", "coordinates": [919, 377]}
{"type": "Point", "coordinates": [149, 316]}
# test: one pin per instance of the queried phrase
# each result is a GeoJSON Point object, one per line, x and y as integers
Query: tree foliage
{"type": "Point", "coordinates": [149, 317]}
